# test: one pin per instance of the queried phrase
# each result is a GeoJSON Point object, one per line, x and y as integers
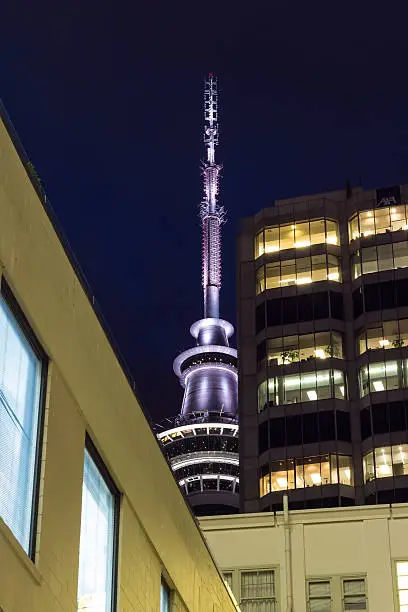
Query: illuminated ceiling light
{"type": "Point", "coordinates": [347, 473]}
{"type": "Point", "coordinates": [320, 354]}
{"type": "Point", "coordinates": [405, 227]}
{"type": "Point", "coordinates": [369, 213]}
{"type": "Point", "coordinates": [316, 478]}
{"type": "Point", "coordinates": [378, 385]}
{"type": "Point", "coordinates": [302, 243]}
{"type": "Point", "coordinates": [342, 390]}
{"type": "Point", "coordinates": [384, 470]}
{"type": "Point", "coordinates": [334, 276]}
{"type": "Point", "coordinates": [312, 395]}
{"type": "Point", "coordinates": [393, 210]}
{"type": "Point", "coordinates": [383, 342]}
{"type": "Point", "coordinates": [282, 483]}
{"type": "Point", "coordinates": [331, 239]}
{"type": "Point", "coordinates": [303, 281]}
{"type": "Point", "coordinates": [368, 233]}
{"type": "Point", "coordinates": [271, 249]}
{"type": "Point", "coordinates": [293, 226]}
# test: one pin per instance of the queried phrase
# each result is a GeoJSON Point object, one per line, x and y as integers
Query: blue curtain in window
{"type": "Point", "coordinates": [20, 381]}
{"type": "Point", "coordinates": [95, 580]}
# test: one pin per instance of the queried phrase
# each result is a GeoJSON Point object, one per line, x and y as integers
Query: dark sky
{"type": "Point", "coordinates": [107, 99]}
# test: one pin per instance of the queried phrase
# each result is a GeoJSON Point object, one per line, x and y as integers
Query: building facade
{"type": "Point", "coordinates": [202, 444]}
{"type": "Point", "coordinates": [330, 560]}
{"type": "Point", "coordinates": [83, 522]}
{"type": "Point", "coordinates": [322, 339]}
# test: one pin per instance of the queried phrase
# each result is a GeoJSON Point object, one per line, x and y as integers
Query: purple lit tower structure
{"type": "Point", "coordinates": [202, 445]}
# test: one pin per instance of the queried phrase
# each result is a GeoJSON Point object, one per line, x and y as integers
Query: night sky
{"type": "Point", "coordinates": [107, 100]}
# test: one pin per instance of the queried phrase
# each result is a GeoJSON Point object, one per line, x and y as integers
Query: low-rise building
{"type": "Point", "coordinates": [329, 560]}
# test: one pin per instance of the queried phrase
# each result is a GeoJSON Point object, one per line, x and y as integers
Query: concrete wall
{"type": "Point", "coordinates": [87, 392]}
{"type": "Point", "coordinates": [364, 540]}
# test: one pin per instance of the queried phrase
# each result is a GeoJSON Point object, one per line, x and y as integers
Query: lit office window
{"type": "Point", "coordinates": [380, 258]}
{"type": "Point", "coordinates": [21, 368]}
{"type": "Point", "coordinates": [301, 271]}
{"type": "Point", "coordinates": [385, 335]}
{"type": "Point", "coordinates": [307, 347]}
{"type": "Point", "coordinates": [97, 550]}
{"type": "Point", "coordinates": [319, 596]}
{"type": "Point", "coordinates": [296, 235]}
{"type": "Point", "coordinates": [354, 594]}
{"type": "Point", "coordinates": [386, 461]}
{"type": "Point", "coordinates": [402, 585]}
{"type": "Point", "coordinates": [258, 591]}
{"type": "Point", "coordinates": [306, 472]}
{"type": "Point", "coordinates": [303, 387]}
{"type": "Point", "coordinates": [382, 376]}
{"type": "Point", "coordinates": [379, 221]}
{"type": "Point", "coordinates": [164, 597]}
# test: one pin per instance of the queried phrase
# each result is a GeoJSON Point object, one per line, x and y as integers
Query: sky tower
{"type": "Point", "coordinates": [202, 445]}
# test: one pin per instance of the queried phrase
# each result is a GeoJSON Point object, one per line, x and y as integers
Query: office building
{"type": "Point", "coordinates": [330, 560]}
{"type": "Point", "coordinates": [202, 444]}
{"type": "Point", "coordinates": [322, 339]}
{"type": "Point", "coordinates": [91, 518]}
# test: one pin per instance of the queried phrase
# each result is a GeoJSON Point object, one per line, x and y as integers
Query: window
{"type": "Point", "coordinates": [386, 461]}
{"type": "Point", "coordinates": [379, 258]}
{"type": "Point", "coordinates": [301, 271]}
{"type": "Point", "coordinates": [228, 578]}
{"type": "Point", "coordinates": [296, 235]}
{"type": "Point", "coordinates": [385, 335]}
{"type": "Point", "coordinates": [303, 387]}
{"type": "Point", "coordinates": [22, 381]}
{"type": "Point", "coordinates": [164, 597]}
{"type": "Point", "coordinates": [99, 534]}
{"type": "Point", "coordinates": [307, 347]}
{"type": "Point", "coordinates": [258, 591]}
{"type": "Point", "coordinates": [319, 596]}
{"type": "Point", "coordinates": [385, 219]}
{"type": "Point", "coordinates": [306, 472]}
{"type": "Point", "coordinates": [382, 376]}
{"type": "Point", "coordinates": [354, 594]}
{"type": "Point", "coordinates": [402, 585]}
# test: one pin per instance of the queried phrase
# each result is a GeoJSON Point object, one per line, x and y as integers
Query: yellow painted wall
{"type": "Point", "coordinates": [336, 542]}
{"type": "Point", "coordinates": [87, 391]}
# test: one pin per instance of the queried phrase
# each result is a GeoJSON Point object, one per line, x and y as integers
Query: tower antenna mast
{"type": "Point", "coordinates": [211, 213]}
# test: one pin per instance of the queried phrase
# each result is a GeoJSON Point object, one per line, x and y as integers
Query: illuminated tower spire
{"type": "Point", "coordinates": [203, 444]}
{"type": "Point", "coordinates": [211, 213]}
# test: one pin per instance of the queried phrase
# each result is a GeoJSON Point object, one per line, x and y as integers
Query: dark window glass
{"type": "Point", "coordinates": [320, 305]}
{"type": "Point", "coordinates": [343, 426]}
{"type": "Point", "coordinates": [371, 499]}
{"type": "Point", "coordinates": [386, 497]}
{"type": "Point", "coordinates": [260, 318]}
{"type": "Point", "coordinates": [401, 287]}
{"type": "Point", "coordinates": [289, 310]}
{"type": "Point", "coordinates": [401, 496]}
{"type": "Point", "coordinates": [294, 430]}
{"type": "Point", "coordinates": [261, 351]}
{"type": "Point", "coordinates": [310, 428]}
{"type": "Point", "coordinates": [326, 426]}
{"type": "Point", "coordinates": [305, 307]}
{"type": "Point", "coordinates": [346, 501]}
{"type": "Point", "coordinates": [387, 294]}
{"type": "Point", "coordinates": [263, 437]}
{"type": "Point", "coordinates": [372, 298]}
{"type": "Point", "coordinates": [277, 432]}
{"type": "Point", "coordinates": [380, 418]}
{"type": "Point", "coordinates": [397, 416]}
{"type": "Point", "coordinates": [365, 423]}
{"type": "Point", "coordinates": [336, 305]}
{"type": "Point", "coordinates": [357, 302]}
{"type": "Point", "coordinates": [273, 312]}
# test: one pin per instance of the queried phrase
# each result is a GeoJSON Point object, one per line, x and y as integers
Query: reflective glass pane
{"type": "Point", "coordinates": [385, 257]}
{"type": "Point", "coordinates": [317, 232]}
{"type": "Point", "coordinates": [259, 245]}
{"type": "Point", "coordinates": [368, 467]}
{"type": "Point", "coordinates": [287, 236]}
{"type": "Point", "coordinates": [260, 280]}
{"type": "Point", "coordinates": [273, 275]}
{"type": "Point", "coordinates": [382, 220]}
{"type": "Point", "coordinates": [369, 260]}
{"type": "Point", "coordinates": [332, 229]}
{"type": "Point", "coordinates": [400, 254]}
{"type": "Point", "coordinates": [271, 239]}
{"type": "Point", "coordinates": [354, 231]}
{"type": "Point", "coordinates": [367, 227]}
{"type": "Point", "coordinates": [302, 236]}
{"type": "Point", "coordinates": [400, 459]}
{"type": "Point", "coordinates": [345, 470]}
{"type": "Point", "coordinates": [398, 218]}
{"type": "Point", "coordinates": [383, 462]}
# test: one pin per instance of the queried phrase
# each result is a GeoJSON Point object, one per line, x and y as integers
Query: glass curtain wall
{"type": "Point", "coordinates": [306, 472]}
{"type": "Point", "coordinates": [379, 258]}
{"type": "Point", "coordinates": [383, 376]}
{"type": "Point", "coordinates": [304, 387]}
{"type": "Point", "coordinates": [385, 335]}
{"type": "Point", "coordinates": [300, 271]}
{"type": "Point", "coordinates": [96, 576]}
{"type": "Point", "coordinates": [20, 390]}
{"type": "Point", "coordinates": [386, 461]}
{"type": "Point", "coordinates": [296, 235]}
{"type": "Point", "coordinates": [378, 221]}
{"type": "Point", "coordinates": [306, 347]}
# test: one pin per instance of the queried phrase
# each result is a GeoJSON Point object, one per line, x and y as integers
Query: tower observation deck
{"type": "Point", "coordinates": [202, 444]}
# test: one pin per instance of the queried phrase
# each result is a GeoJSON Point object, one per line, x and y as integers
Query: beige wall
{"type": "Point", "coordinates": [365, 540]}
{"type": "Point", "coordinates": [87, 391]}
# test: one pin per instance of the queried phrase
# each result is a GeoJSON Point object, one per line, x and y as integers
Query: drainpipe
{"type": "Point", "coordinates": [288, 556]}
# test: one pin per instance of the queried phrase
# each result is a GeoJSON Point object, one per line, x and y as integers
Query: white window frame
{"type": "Point", "coordinates": [337, 589]}
{"type": "Point", "coordinates": [236, 581]}
{"type": "Point", "coordinates": [395, 580]}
